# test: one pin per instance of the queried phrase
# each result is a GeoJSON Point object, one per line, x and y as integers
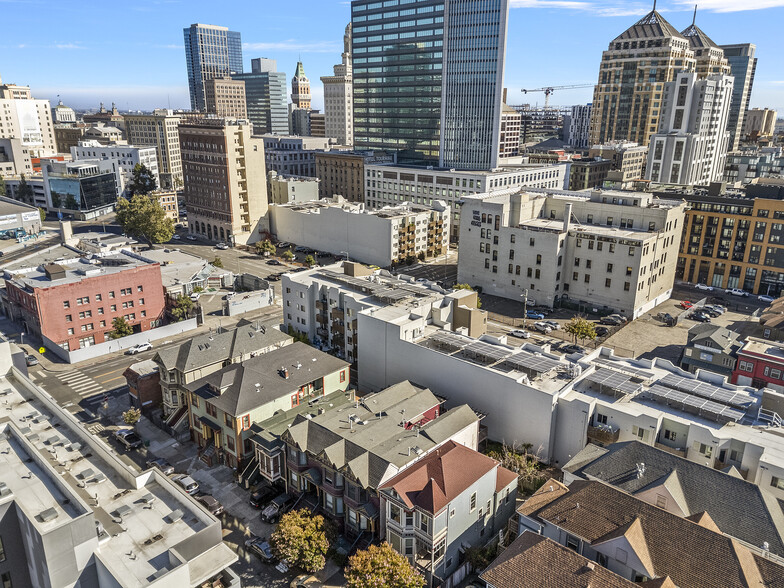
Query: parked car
{"type": "Point", "coordinates": [306, 581]}
{"type": "Point", "coordinates": [610, 320]}
{"type": "Point", "coordinates": [260, 547]}
{"type": "Point", "coordinates": [716, 307]}
{"type": "Point", "coordinates": [277, 507]}
{"type": "Point", "coordinates": [553, 324]}
{"type": "Point", "coordinates": [534, 315]}
{"type": "Point", "coordinates": [221, 245]}
{"type": "Point", "coordinates": [195, 296]}
{"type": "Point", "coordinates": [31, 360]}
{"type": "Point", "coordinates": [601, 331]}
{"type": "Point", "coordinates": [520, 334]}
{"type": "Point", "coordinates": [273, 278]}
{"type": "Point", "coordinates": [325, 254]}
{"type": "Point", "coordinates": [211, 504]}
{"type": "Point", "coordinates": [543, 327]}
{"type": "Point", "coordinates": [128, 438]}
{"type": "Point", "coordinates": [711, 312]}
{"type": "Point", "coordinates": [176, 237]}
{"type": "Point", "coordinates": [261, 496]}
{"type": "Point", "coordinates": [273, 262]}
{"type": "Point", "coordinates": [190, 237]}
{"type": "Point", "coordinates": [700, 317]}
{"type": "Point", "coordinates": [736, 292]}
{"type": "Point", "coordinates": [138, 348]}
{"type": "Point", "coordinates": [704, 287]}
{"type": "Point", "coordinates": [164, 466]}
{"type": "Point", "coordinates": [571, 348]}
{"type": "Point", "coordinates": [187, 483]}
{"type": "Point", "coordinates": [765, 298]}
{"type": "Point", "coordinates": [686, 304]}
{"type": "Point", "coordinates": [620, 317]}
{"type": "Point", "coordinates": [284, 244]}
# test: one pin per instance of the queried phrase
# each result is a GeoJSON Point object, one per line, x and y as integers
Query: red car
{"type": "Point", "coordinates": [686, 304]}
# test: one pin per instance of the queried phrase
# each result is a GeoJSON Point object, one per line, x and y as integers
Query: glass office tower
{"type": "Point", "coordinates": [210, 52]}
{"type": "Point", "coordinates": [265, 97]}
{"type": "Point", "coordinates": [743, 65]}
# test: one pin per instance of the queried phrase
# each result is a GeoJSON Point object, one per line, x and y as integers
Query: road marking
{"type": "Point", "coordinates": [107, 373]}
{"type": "Point", "coordinates": [111, 379]}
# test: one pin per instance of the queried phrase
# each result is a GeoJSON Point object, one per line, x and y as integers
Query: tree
{"type": "Point", "coordinates": [302, 539]}
{"type": "Point", "coordinates": [24, 193]}
{"type": "Point", "coordinates": [42, 212]}
{"type": "Point", "coordinates": [217, 262]}
{"type": "Point", "coordinates": [71, 203]}
{"type": "Point", "coordinates": [131, 416]}
{"type": "Point", "coordinates": [580, 328]}
{"type": "Point", "coordinates": [265, 246]}
{"type": "Point", "coordinates": [120, 328]}
{"type": "Point", "coordinates": [56, 200]}
{"type": "Point", "coordinates": [288, 255]}
{"type": "Point", "coordinates": [381, 566]}
{"type": "Point", "coordinates": [143, 217]}
{"type": "Point", "coordinates": [310, 261]}
{"type": "Point", "coordinates": [421, 256]}
{"type": "Point", "coordinates": [182, 307]}
{"type": "Point", "coordinates": [2, 186]}
{"type": "Point", "coordinates": [142, 181]}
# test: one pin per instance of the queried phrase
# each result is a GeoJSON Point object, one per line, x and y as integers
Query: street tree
{"type": "Point", "coordinates": [580, 328]}
{"type": "Point", "coordinates": [24, 192]}
{"type": "Point", "coordinates": [71, 203]}
{"type": "Point", "coordinates": [288, 255]}
{"type": "Point", "coordinates": [143, 218]}
{"type": "Point", "coordinates": [383, 567]}
{"type": "Point", "coordinates": [310, 261]}
{"type": "Point", "coordinates": [217, 262]}
{"type": "Point", "coordinates": [42, 214]}
{"type": "Point", "coordinates": [2, 186]}
{"type": "Point", "coordinates": [302, 539]}
{"type": "Point", "coordinates": [265, 246]}
{"type": "Point", "coordinates": [120, 328]}
{"type": "Point", "coordinates": [142, 180]}
{"type": "Point", "coordinates": [131, 416]}
{"type": "Point", "coordinates": [182, 307]}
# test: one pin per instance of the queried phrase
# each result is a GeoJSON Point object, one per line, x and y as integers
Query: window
{"type": "Point", "coordinates": [746, 366]}
{"type": "Point", "coordinates": [6, 579]}
{"type": "Point", "coordinates": [572, 542]}
{"type": "Point", "coordinates": [111, 294]}
{"type": "Point", "coordinates": [473, 502]}
{"type": "Point", "coordinates": [609, 268]}
{"type": "Point", "coordinates": [195, 400]}
{"type": "Point", "coordinates": [66, 304]}
{"type": "Point", "coordinates": [587, 278]}
{"type": "Point", "coordinates": [395, 513]}
{"type": "Point", "coordinates": [68, 318]}
{"type": "Point", "coordinates": [228, 419]}
{"type": "Point", "coordinates": [607, 282]}
{"type": "Point", "coordinates": [230, 442]}
{"type": "Point", "coordinates": [246, 422]}
{"type": "Point", "coordinates": [2, 550]}
{"type": "Point", "coordinates": [342, 376]}
{"type": "Point", "coordinates": [141, 301]}
{"type": "Point", "coordinates": [98, 297]}
{"type": "Point", "coordinates": [424, 522]}
{"type": "Point", "coordinates": [100, 310]}
{"type": "Point", "coordinates": [601, 418]}
{"type": "Point", "coordinates": [70, 331]}
{"type": "Point", "coordinates": [113, 308]}
{"type": "Point", "coordinates": [211, 410]}
{"type": "Point", "coordinates": [139, 288]}
{"type": "Point", "coordinates": [777, 483]}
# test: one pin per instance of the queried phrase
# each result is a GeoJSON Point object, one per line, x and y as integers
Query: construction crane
{"type": "Point", "coordinates": [550, 89]}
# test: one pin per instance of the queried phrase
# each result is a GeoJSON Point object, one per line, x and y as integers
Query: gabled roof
{"type": "Point", "coordinates": [534, 561]}
{"type": "Point", "coordinates": [692, 555]}
{"type": "Point", "coordinates": [440, 477]}
{"type": "Point", "coordinates": [697, 37]}
{"type": "Point", "coordinates": [722, 337]}
{"type": "Point", "coordinates": [739, 508]}
{"type": "Point", "coordinates": [634, 535]}
{"type": "Point", "coordinates": [651, 26]}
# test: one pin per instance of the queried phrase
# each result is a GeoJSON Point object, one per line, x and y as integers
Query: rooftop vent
{"type": "Point", "coordinates": [47, 515]}
{"type": "Point", "coordinates": [4, 490]}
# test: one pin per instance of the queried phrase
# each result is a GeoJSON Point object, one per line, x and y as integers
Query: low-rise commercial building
{"type": "Point", "coordinates": [222, 405]}
{"type": "Point", "coordinates": [759, 123]}
{"type": "Point", "coordinates": [144, 385]}
{"type": "Point", "coordinates": [760, 364]}
{"type": "Point", "coordinates": [183, 272]}
{"type": "Point", "coordinates": [169, 202]}
{"type": "Point", "coordinates": [586, 174]}
{"type": "Point", "coordinates": [393, 234]}
{"type": "Point", "coordinates": [67, 136]}
{"type": "Point", "coordinates": [605, 250]}
{"type": "Point", "coordinates": [104, 134]}
{"type": "Point", "coordinates": [83, 189]}
{"type": "Point", "coordinates": [123, 159]}
{"type": "Point", "coordinates": [18, 218]}
{"type": "Point", "coordinates": [343, 172]}
{"type": "Point", "coordinates": [627, 161]}
{"type": "Point", "coordinates": [14, 158]}
{"type": "Point", "coordinates": [293, 155]}
{"type": "Point", "coordinates": [712, 348]}
{"type": "Point", "coordinates": [291, 189]}
{"type": "Point", "coordinates": [745, 166]}
{"type": "Point", "coordinates": [387, 185]}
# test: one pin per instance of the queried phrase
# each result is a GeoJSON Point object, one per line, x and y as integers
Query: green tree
{"type": "Point", "coordinates": [56, 200]}
{"type": "Point", "coordinates": [2, 186]}
{"type": "Point", "coordinates": [182, 307]}
{"type": "Point", "coordinates": [580, 328]}
{"type": "Point", "coordinates": [120, 328]}
{"type": "Point", "coordinates": [142, 181]}
{"type": "Point", "coordinates": [288, 255]}
{"type": "Point", "coordinates": [71, 203]}
{"type": "Point", "coordinates": [421, 256]}
{"type": "Point", "coordinates": [302, 539]}
{"type": "Point", "coordinates": [265, 246]}
{"type": "Point", "coordinates": [383, 567]}
{"type": "Point", "coordinates": [310, 261]}
{"type": "Point", "coordinates": [143, 217]}
{"type": "Point", "coordinates": [131, 416]}
{"type": "Point", "coordinates": [217, 262]}
{"type": "Point", "coordinates": [24, 193]}
{"type": "Point", "coordinates": [42, 212]}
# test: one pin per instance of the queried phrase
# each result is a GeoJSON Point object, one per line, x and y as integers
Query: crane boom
{"type": "Point", "coordinates": [550, 89]}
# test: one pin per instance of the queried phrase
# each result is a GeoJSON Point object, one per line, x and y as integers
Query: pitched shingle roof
{"type": "Point", "coordinates": [692, 555]}
{"type": "Point", "coordinates": [739, 508]}
{"type": "Point", "coordinates": [651, 26]}
{"type": "Point", "coordinates": [697, 37]}
{"type": "Point", "coordinates": [534, 561]}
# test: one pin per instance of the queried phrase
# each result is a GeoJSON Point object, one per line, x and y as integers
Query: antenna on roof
{"type": "Point", "coordinates": [694, 20]}
{"type": "Point", "coordinates": [654, 5]}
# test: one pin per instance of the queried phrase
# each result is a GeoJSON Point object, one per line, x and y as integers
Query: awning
{"type": "Point", "coordinates": [210, 424]}
{"type": "Point", "coordinates": [312, 474]}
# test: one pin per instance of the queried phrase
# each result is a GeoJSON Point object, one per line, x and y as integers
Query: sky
{"type": "Point", "coordinates": [132, 53]}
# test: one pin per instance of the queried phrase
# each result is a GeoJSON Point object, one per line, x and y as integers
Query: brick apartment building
{"type": "Point", "coordinates": [72, 306]}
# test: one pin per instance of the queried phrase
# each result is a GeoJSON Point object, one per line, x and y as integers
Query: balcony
{"type": "Point", "coordinates": [678, 452]}
{"type": "Point", "coordinates": [337, 314]}
{"type": "Point", "coordinates": [321, 305]}
{"type": "Point", "coordinates": [603, 435]}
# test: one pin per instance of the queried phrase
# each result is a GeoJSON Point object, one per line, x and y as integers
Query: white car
{"type": "Point", "coordinates": [221, 245]}
{"type": "Point", "coordinates": [704, 287]}
{"type": "Point", "coordinates": [520, 334]}
{"type": "Point", "coordinates": [139, 348]}
{"type": "Point", "coordinates": [765, 298]}
{"type": "Point", "coordinates": [195, 296]}
{"type": "Point", "coordinates": [736, 292]}
{"type": "Point", "coordinates": [543, 327]}
{"type": "Point", "coordinates": [176, 237]}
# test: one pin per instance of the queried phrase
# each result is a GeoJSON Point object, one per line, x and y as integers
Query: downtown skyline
{"type": "Point", "coordinates": [78, 58]}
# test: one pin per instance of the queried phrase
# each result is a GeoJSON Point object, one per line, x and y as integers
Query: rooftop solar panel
{"type": "Point", "coordinates": [625, 369]}
{"type": "Point", "coordinates": [487, 350]}
{"type": "Point", "coordinates": [702, 406]}
{"type": "Point", "coordinates": [534, 363]}
{"type": "Point", "coordinates": [705, 390]}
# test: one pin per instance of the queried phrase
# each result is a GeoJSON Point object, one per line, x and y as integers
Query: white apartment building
{"type": "Point", "coordinates": [577, 126]}
{"type": "Point", "coordinates": [691, 145]}
{"type": "Point", "coordinates": [387, 185]}
{"type": "Point", "coordinates": [123, 159]}
{"type": "Point", "coordinates": [339, 97]}
{"type": "Point", "coordinates": [291, 155]}
{"type": "Point", "coordinates": [26, 118]}
{"type": "Point", "coordinates": [605, 250]}
{"type": "Point", "coordinates": [159, 129]}
{"type": "Point", "coordinates": [380, 237]}
{"type": "Point", "coordinates": [291, 189]}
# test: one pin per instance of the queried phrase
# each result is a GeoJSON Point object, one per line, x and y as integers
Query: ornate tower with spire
{"type": "Point", "coordinates": [634, 69]}
{"type": "Point", "coordinates": [300, 88]}
{"type": "Point", "coordinates": [339, 97]}
{"type": "Point", "coordinates": [709, 56]}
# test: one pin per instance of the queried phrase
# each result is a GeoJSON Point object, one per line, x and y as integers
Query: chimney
{"type": "Point", "coordinates": [567, 217]}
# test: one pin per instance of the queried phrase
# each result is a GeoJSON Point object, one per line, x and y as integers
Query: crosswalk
{"type": "Point", "coordinates": [83, 385]}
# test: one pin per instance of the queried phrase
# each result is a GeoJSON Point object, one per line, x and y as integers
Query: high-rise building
{"type": "Point", "coordinates": [709, 57]}
{"type": "Point", "coordinates": [691, 145]}
{"type": "Point", "coordinates": [210, 52]}
{"type": "Point", "coordinates": [226, 97]}
{"type": "Point", "coordinates": [23, 117]}
{"type": "Point", "coordinates": [509, 141]}
{"type": "Point", "coordinates": [447, 63]}
{"type": "Point", "coordinates": [473, 79]}
{"type": "Point", "coordinates": [225, 182]}
{"type": "Point", "coordinates": [760, 122]}
{"type": "Point", "coordinates": [577, 126]}
{"type": "Point", "coordinates": [633, 72]}
{"type": "Point", "coordinates": [339, 97]}
{"type": "Point", "coordinates": [300, 88]}
{"type": "Point", "coordinates": [743, 64]}
{"type": "Point", "coordinates": [318, 124]}
{"type": "Point", "coordinates": [159, 129]}
{"type": "Point", "coordinates": [265, 97]}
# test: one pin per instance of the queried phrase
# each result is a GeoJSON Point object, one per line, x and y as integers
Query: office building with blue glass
{"type": "Point", "coordinates": [743, 65]}
{"type": "Point", "coordinates": [210, 52]}
{"type": "Point", "coordinates": [265, 97]}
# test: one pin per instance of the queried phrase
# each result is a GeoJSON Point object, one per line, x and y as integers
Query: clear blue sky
{"type": "Point", "coordinates": [131, 53]}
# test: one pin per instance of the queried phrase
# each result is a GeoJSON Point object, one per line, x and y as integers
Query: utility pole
{"type": "Point", "coordinates": [524, 296]}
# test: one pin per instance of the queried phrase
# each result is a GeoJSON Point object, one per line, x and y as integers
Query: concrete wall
{"type": "Point", "coordinates": [242, 302]}
{"type": "Point", "coordinates": [102, 349]}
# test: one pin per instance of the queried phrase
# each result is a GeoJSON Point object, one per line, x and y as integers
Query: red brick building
{"type": "Point", "coordinates": [73, 306]}
{"type": "Point", "coordinates": [144, 385]}
{"type": "Point", "coordinates": [760, 364]}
